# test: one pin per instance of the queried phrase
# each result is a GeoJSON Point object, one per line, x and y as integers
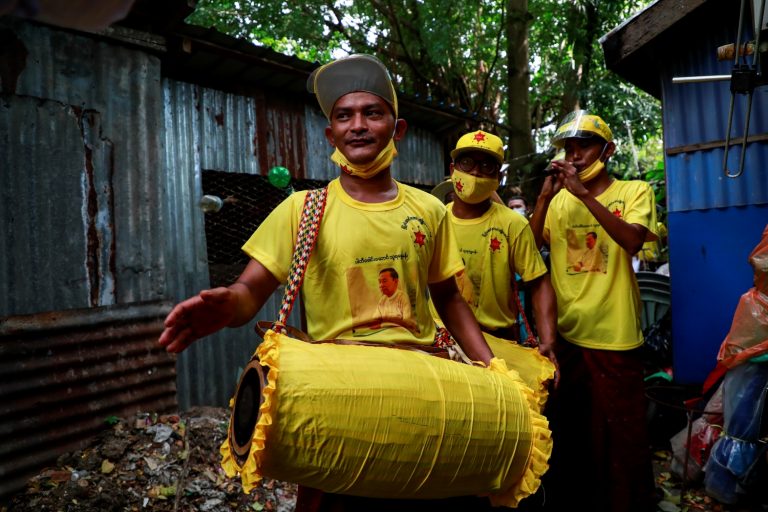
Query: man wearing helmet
{"type": "Point", "coordinates": [597, 414]}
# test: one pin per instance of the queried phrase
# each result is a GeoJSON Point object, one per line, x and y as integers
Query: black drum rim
{"type": "Point", "coordinates": [246, 411]}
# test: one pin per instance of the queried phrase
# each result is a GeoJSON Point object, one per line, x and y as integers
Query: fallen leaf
{"type": "Point", "coordinates": [60, 476]}
{"type": "Point", "coordinates": [666, 506]}
{"type": "Point", "coordinates": [107, 467]}
{"type": "Point", "coordinates": [152, 464]}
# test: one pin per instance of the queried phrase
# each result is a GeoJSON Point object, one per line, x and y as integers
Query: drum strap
{"type": "Point", "coordinates": [309, 227]}
{"type": "Point", "coordinates": [530, 340]}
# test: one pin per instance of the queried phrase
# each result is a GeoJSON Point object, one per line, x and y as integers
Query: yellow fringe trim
{"type": "Point", "coordinates": [509, 353]}
{"type": "Point", "coordinates": [541, 446]}
{"type": "Point", "coordinates": [250, 473]}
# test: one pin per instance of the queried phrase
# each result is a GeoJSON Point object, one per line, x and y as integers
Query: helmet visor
{"type": "Point", "coordinates": [581, 124]}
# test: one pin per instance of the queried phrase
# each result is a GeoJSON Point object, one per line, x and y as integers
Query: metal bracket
{"type": "Point", "coordinates": [744, 79]}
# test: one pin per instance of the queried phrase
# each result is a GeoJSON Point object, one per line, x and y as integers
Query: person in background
{"type": "Point", "coordinates": [518, 204]}
{"type": "Point", "coordinates": [368, 217]}
{"type": "Point", "coordinates": [601, 451]}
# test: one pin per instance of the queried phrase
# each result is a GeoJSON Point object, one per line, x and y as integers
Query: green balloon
{"type": "Point", "coordinates": [279, 176]}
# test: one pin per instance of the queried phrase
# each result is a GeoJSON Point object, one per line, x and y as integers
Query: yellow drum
{"type": "Point", "coordinates": [535, 370]}
{"type": "Point", "coordinates": [380, 422]}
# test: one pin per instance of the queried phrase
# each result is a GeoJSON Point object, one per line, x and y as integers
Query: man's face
{"type": "Point", "coordinates": [387, 284]}
{"type": "Point", "coordinates": [477, 163]}
{"type": "Point", "coordinates": [361, 126]}
{"type": "Point", "coordinates": [582, 152]}
{"type": "Point", "coordinates": [591, 241]}
{"type": "Point", "coordinates": [516, 203]}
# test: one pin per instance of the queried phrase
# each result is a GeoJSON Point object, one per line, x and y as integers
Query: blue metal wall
{"type": "Point", "coordinates": [714, 222]}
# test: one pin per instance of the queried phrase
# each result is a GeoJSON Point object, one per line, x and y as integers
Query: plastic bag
{"type": "Point", "coordinates": [739, 454]}
{"type": "Point", "coordinates": [705, 431]}
{"type": "Point", "coordinates": [748, 336]}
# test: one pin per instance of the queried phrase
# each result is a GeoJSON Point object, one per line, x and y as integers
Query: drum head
{"type": "Point", "coordinates": [245, 413]}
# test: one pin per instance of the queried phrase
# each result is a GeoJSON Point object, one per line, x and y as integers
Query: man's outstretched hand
{"type": "Point", "coordinates": [201, 315]}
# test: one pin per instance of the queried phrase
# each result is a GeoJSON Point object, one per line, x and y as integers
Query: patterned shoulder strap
{"type": "Point", "coordinates": [530, 340]}
{"type": "Point", "coordinates": [309, 226]}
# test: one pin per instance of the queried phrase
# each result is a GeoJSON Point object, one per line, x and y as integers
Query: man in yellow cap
{"type": "Point", "coordinates": [601, 449]}
{"type": "Point", "coordinates": [371, 223]}
{"type": "Point", "coordinates": [495, 243]}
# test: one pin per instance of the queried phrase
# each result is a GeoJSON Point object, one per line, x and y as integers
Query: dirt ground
{"type": "Point", "coordinates": [171, 463]}
{"type": "Point", "coordinates": [151, 462]}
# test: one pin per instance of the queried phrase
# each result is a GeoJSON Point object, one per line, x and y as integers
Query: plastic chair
{"type": "Point", "coordinates": [655, 294]}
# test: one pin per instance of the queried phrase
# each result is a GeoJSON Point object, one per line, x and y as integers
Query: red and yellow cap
{"type": "Point", "coordinates": [480, 141]}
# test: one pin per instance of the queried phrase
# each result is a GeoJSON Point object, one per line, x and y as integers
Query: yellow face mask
{"type": "Point", "coordinates": [471, 189]}
{"type": "Point", "coordinates": [383, 161]}
{"type": "Point", "coordinates": [594, 169]}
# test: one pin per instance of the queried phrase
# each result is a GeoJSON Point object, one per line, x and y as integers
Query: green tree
{"type": "Point", "coordinates": [444, 51]}
{"type": "Point", "coordinates": [513, 66]}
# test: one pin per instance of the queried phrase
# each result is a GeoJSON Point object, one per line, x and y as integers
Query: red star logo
{"type": "Point", "coordinates": [420, 238]}
{"type": "Point", "coordinates": [617, 213]}
{"type": "Point", "coordinates": [479, 137]}
{"type": "Point", "coordinates": [459, 186]}
{"type": "Point", "coordinates": [345, 169]}
{"type": "Point", "coordinates": [495, 244]}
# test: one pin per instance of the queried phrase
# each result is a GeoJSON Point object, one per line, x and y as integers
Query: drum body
{"type": "Point", "coordinates": [380, 422]}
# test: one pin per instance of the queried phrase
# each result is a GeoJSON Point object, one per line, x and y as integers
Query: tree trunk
{"type": "Point", "coordinates": [518, 79]}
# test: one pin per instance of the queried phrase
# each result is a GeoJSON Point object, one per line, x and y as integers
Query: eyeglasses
{"type": "Point", "coordinates": [486, 167]}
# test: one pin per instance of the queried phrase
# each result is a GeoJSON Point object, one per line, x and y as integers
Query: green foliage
{"type": "Point", "coordinates": [453, 53]}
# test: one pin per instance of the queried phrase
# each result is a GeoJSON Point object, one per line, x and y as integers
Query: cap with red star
{"type": "Point", "coordinates": [480, 141]}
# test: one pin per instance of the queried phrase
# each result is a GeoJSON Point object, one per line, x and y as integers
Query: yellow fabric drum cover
{"type": "Point", "coordinates": [535, 369]}
{"type": "Point", "coordinates": [382, 422]}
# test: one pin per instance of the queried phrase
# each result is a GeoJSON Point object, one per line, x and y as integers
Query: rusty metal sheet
{"type": "Point", "coordinates": [66, 372]}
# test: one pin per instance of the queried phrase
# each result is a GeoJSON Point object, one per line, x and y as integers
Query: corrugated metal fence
{"type": "Point", "coordinates": [65, 373]}
{"type": "Point", "coordinates": [100, 184]}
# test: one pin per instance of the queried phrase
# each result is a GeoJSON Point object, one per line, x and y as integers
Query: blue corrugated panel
{"type": "Point", "coordinates": [695, 181]}
{"type": "Point", "coordinates": [714, 221]}
{"type": "Point", "coordinates": [709, 271]}
{"type": "Point", "coordinates": [697, 113]}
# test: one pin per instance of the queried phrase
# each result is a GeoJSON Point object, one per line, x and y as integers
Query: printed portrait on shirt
{"type": "Point", "coordinates": [587, 251]}
{"type": "Point", "coordinates": [378, 300]}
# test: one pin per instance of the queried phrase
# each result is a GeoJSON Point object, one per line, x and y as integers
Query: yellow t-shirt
{"type": "Point", "coordinates": [494, 247]}
{"type": "Point", "coordinates": [350, 270]}
{"type": "Point", "coordinates": [598, 302]}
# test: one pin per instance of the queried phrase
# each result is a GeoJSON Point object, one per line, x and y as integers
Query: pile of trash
{"type": "Point", "coordinates": [151, 462]}
{"type": "Point", "coordinates": [160, 463]}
